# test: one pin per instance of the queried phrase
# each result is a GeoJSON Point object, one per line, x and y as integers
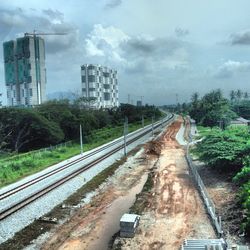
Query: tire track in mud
{"type": "Point", "coordinates": [175, 208]}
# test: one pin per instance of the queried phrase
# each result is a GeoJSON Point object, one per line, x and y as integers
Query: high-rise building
{"type": "Point", "coordinates": [139, 103]}
{"type": "Point", "coordinates": [100, 83]}
{"type": "Point", "coordinates": [25, 73]}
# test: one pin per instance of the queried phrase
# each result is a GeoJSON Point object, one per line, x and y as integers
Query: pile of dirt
{"type": "Point", "coordinates": [153, 148]}
{"type": "Point", "coordinates": [144, 199]}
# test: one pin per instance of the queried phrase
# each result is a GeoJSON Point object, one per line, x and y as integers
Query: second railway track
{"type": "Point", "coordinates": [26, 201]}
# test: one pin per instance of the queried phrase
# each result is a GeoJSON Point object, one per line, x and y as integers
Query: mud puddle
{"type": "Point", "coordinates": [111, 218]}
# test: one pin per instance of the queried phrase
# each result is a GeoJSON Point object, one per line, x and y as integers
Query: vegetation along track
{"type": "Point", "coordinates": [17, 206]}
{"type": "Point", "coordinates": [54, 171]}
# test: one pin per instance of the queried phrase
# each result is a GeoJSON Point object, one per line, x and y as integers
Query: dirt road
{"type": "Point", "coordinates": [174, 210]}
{"type": "Point", "coordinates": [92, 226]}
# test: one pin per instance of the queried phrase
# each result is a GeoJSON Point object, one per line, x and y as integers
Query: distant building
{"type": "Point", "coordinates": [100, 83]}
{"type": "Point", "coordinates": [25, 73]}
{"type": "Point", "coordinates": [240, 121]}
{"type": "Point", "coordinates": [139, 103]}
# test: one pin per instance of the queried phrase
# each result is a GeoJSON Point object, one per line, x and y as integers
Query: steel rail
{"type": "Point", "coordinates": [59, 169]}
{"type": "Point", "coordinates": [52, 172]}
{"type": "Point", "coordinates": [24, 202]}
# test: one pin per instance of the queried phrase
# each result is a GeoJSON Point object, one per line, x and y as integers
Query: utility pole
{"type": "Point", "coordinates": [125, 131]}
{"type": "Point", "coordinates": [128, 98]}
{"type": "Point", "coordinates": [142, 120]}
{"type": "Point", "coordinates": [152, 126]}
{"type": "Point", "coordinates": [177, 99]}
{"type": "Point", "coordinates": [81, 138]}
{"type": "Point", "coordinates": [142, 100]}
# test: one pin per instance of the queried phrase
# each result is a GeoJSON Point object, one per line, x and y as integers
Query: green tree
{"type": "Point", "coordinates": [195, 99]}
{"type": "Point", "coordinates": [28, 130]}
{"type": "Point", "coordinates": [239, 94]}
{"type": "Point", "coordinates": [232, 96]}
{"type": "Point", "coordinates": [211, 109]}
{"type": "Point", "coordinates": [85, 102]}
{"type": "Point", "coordinates": [242, 109]}
{"type": "Point", "coordinates": [64, 114]}
{"type": "Point", "coordinates": [225, 150]}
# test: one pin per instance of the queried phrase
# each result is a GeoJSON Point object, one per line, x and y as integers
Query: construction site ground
{"type": "Point", "coordinates": [224, 192]}
{"type": "Point", "coordinates": [171, 208]}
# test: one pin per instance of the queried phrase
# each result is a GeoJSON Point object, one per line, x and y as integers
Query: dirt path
{"type": "Point", "coordinates": [92, 226]}
{"type": "Point", "coordinates": [175, 211]}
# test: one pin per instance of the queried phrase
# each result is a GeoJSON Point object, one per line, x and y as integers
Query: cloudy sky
{"type": "Point", "coordinates": [160, 48]}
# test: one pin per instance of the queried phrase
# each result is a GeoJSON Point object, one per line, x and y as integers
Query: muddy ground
{"type": "Point", "coordinates": [92, 226]}
{"type": "Point", "coordinates": [171, 210]}
{"type": "Point", "coordinates": [170, 207]}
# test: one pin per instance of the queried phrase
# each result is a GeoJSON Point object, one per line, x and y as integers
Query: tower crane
{"type": "Point", "coordinates": [35, 33]}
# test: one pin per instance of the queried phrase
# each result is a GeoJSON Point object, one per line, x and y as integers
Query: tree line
{"type": "Point", "coordinates": [214, 109]}
{"type": "Point", "coordinates": [225, 149]}
{"type": "Point", "coordinates": [56, 121]}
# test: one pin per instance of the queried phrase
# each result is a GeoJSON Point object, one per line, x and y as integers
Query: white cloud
{"type": "Point", "coordinates": [230, 68]}
{"type": "Point", "coordinates": [105, 42]}
{"type": "Point", "coordinates": [137, 54]}
{"type": "Point", "coordinates": [12, 20]}
{"type": "Point", "coordinates": [240, 38]}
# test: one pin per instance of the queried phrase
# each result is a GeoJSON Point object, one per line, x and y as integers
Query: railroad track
{"type": "Point", "coordinates": [59, 169]}
{"type": "Point", "coordinates": [24, 202]}
{"type": "Point", "coordinates": [55, 171]}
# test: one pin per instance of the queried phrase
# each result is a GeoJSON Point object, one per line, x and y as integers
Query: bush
{"type": "Point", "coordinates": [225, 150]}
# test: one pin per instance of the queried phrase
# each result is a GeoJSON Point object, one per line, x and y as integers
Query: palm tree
{"type": "Point", "coordinates": [239, 94]}
{"type": "Point", "coordinates": [195, 99]}
{"type": "Point", "coordinates": [232, 95]}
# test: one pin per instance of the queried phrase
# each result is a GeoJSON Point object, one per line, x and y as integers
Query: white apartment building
{"type": "Point", "coordinates": [100, 83]}
{"type": "Point", "coordinates": [25, 73]}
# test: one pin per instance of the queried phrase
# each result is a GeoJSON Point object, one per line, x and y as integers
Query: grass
{"type": "Point", "coordinates": [15, 167]}
{"type": "Point", "coordinates": [203, 131]}
{"type": "Point", "coordinates": [32, 231]}
{"type": "Point", "coordinates": [142, 199]}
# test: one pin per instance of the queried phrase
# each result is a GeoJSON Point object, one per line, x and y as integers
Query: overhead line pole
{"type": "Point", "coordinates": [81, 139]}
{"type": "Point", "coordinates": [125, 131]}
{"type": "Point", "coordinates": [152, 126]}
{"type": "Point", "coordinates": [142, 121]}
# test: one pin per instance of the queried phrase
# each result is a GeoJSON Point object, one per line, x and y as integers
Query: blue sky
{"type": "Point", "coordinates": [159, 48]}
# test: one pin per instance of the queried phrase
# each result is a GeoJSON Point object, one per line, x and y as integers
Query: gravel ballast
{"type": "Point", "coordinates": [25, 216]}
